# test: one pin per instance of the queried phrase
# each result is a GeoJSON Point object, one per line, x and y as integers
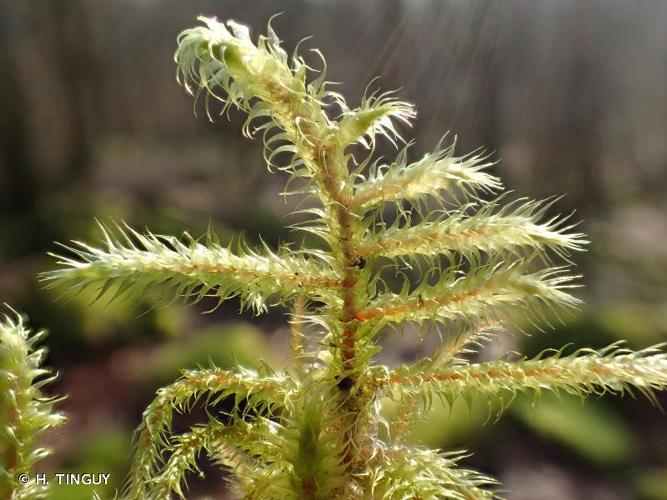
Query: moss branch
{"type": "Point", "coordinates": [614, 369]}
{"type": "Point", "coordinates": [260, 393]}
{"type": "Point", "coordinates": [138, 262]}
{"type": "Point", "coordinates": [25, 413]}
{"type": "Point", "coordinates": [487, 291]}
{"type": "Point", "coordinates": [482, 231]}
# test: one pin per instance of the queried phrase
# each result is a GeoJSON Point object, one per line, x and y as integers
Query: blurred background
{"type": "Point", "coordinates": [571, 96]}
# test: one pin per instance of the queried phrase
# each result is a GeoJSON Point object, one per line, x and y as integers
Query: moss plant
{"type": "Point", "coordinates": [24, 412]}
{"type": "Point", "coordinates": [397, 248]}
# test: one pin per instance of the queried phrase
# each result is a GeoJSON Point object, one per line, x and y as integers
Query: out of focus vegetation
{"type": "Point", "coordinates": [572, 96]}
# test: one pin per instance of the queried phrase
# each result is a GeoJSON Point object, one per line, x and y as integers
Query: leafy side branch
{"type": "Point", "coordinates": [615, 369]}
{"type": "Point", "coordinates": [490, 229]}
{"type": "Point", "coordinates": [483, 293]}
{"type": "Point", "coordinates": [131, 261]}
{"type": "Point", "coordinates": [258, 393]}
{"type": "Point", "coordinates": [237, 446]}
{"type": "Point", "coordinates": [426, 177]}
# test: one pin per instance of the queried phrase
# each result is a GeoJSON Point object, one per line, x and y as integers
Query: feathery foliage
{"type": "Point", "coordinates": [25, 414]}
{"type": "Point", "coordinates": [312, 431]}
